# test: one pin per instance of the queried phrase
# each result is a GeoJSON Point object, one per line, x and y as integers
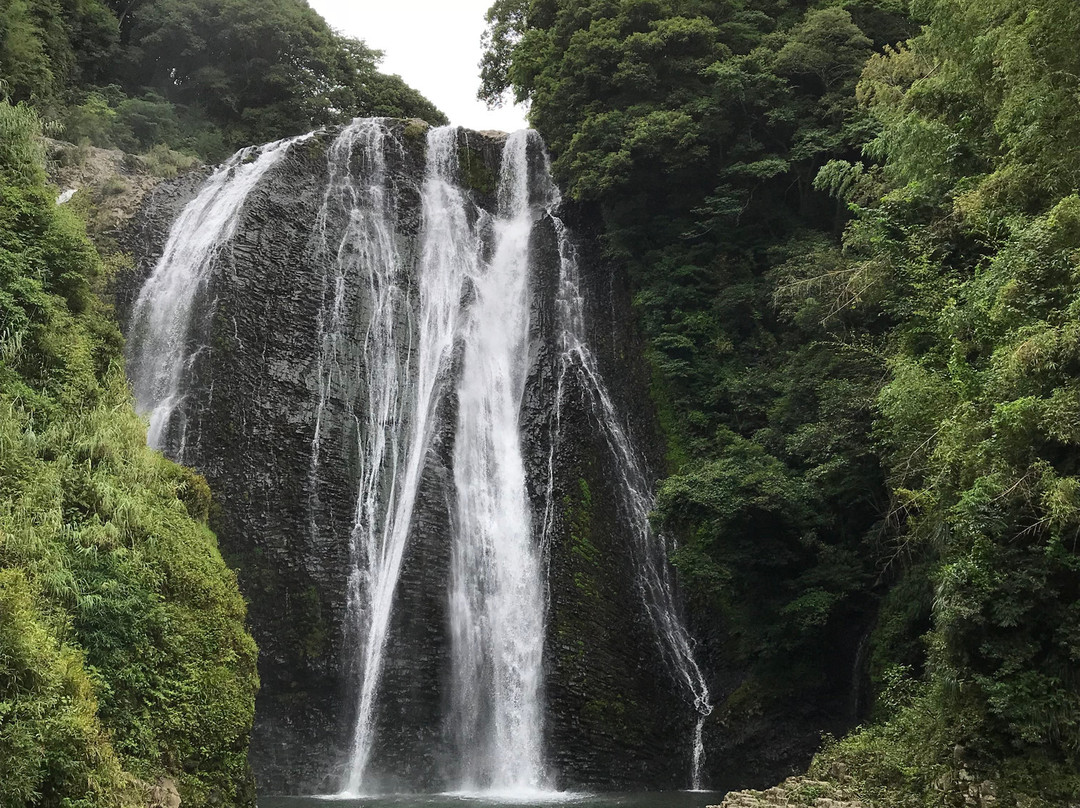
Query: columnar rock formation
{"type": "Point", "coordinates": [435, 496]}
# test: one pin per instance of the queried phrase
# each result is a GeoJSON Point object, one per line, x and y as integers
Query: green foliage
{"type": "Point", "coordinates": [855, 260]}
{"type": "Point", "coordinates": [123, 652]}
{"type": "Point", "coordinates": [22, 154]}
{"type": "Point", "coordinates": [900, 763]}
{"type": "Point", "coordinates": [696, 130]}
{"type": "Point", "coordinates": [198, 76]}
{"type": "Point", "coordinates": [977, 226]}
{"type": "Point", "coordinates": [391, 97]}
{"type": "Point", "coordinates": [752, 553]}
{"type": "Point", "coordinates": [277, 67]}
{"type": "Point", "coordinates": [506, 20]}
{"type": "Point", "coordinates": [50, 735]}
{"type": "Point", "coordinates": [47, 44]}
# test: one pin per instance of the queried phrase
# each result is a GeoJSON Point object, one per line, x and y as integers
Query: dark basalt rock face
{"type": "Point", "coordinates": [615, 717]}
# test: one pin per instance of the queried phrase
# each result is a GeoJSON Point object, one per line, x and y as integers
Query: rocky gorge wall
{"type": "Point", "coordinates": [252, 396]}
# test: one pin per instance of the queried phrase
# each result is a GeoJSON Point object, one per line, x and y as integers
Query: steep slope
{"type": "Point", "coordinates": [124, 654]}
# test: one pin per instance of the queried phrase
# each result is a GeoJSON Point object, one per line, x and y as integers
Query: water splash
{"type": "Point", "coordinates": [161, 342]}
{"type": "Point", "coordinates": [497, 597]}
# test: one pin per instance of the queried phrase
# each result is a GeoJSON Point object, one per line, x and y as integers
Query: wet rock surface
{"type": "Point", "coordinates": [614, 718]}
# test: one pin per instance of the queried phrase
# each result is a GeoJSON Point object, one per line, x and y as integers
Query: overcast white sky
{"type": "Point", "coordinates": [434, 45]}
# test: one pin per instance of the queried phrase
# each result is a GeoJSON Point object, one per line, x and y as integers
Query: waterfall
{"type": "Point", "coordinates": [496, 594]}
{"type": "Point", "coordinates": [159, 348]}
{"type": "Point", "coordinates": [497, 599]}
{"type": "Point", "coordinates": [648, 550]}
{"type": "Point", "coordinates": [417, 337]}
{"type": "Point", "coordinates": [405, 381]}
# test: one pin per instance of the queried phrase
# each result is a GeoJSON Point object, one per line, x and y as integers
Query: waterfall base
{"type": "Point", "coordinates": [651, 799]}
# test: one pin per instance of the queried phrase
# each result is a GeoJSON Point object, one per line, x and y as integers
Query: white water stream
{"type": "Point", "coordinates": [497, 594]}
{"type": "Point", "coordinates": [159, 346]}
{"type": "Point", "coordinates": [449, 322]}
{"type": "Point", "coordinates": [403, 389]}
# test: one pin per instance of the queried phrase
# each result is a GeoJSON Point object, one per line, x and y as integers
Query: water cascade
{"type": "Point", "coordinates": [160, 346]}
{"type": "Point", "coordinates": [425, 306]}
{"type": "Point", "coordinates": [497, 604]}
{"type": "Point", "coordinates": [406, 375]}
{"type": "Point", "coordinates": [366, 254]}
{"type": "Point", "coordinates": [648, 550]}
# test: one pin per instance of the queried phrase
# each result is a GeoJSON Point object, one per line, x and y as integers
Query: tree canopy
{"type": "Point", "coordinates": [204, 76]}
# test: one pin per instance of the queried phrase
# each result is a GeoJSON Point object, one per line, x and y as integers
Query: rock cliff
{"type": "Point", "coordinates": [250, 404]}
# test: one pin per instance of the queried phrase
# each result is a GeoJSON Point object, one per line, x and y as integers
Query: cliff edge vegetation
{"type": "Point", "coordinates": [124, 661]}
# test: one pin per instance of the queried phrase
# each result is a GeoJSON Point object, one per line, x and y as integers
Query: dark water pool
{"type": "Point", "coordinates": [669, 799]}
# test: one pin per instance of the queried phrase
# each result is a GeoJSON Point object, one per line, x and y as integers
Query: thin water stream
{"type": "Point", "coordinates": [162, 337]}
{"type": "Point", "coordinates": [655, 582]}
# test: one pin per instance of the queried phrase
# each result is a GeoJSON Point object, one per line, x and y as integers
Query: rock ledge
{"type": "Point", "coordinates": [795, 792]}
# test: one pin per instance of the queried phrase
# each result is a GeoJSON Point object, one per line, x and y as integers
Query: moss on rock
{"type": "Point", "coordinates": [475, 172]}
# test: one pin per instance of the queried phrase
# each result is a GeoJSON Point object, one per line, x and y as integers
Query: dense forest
{"type": "Point", "coordinates": [202, 77]}
{"type": "Point", "coordinates": [854, 236]}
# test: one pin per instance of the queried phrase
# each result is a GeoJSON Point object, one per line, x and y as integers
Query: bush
{"type": "Point", "coordinates": [52, 744]}
{"type": "Point", "coordinates": [161, 161]}
{"type": "Point", "coordinates": [92, 122]}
